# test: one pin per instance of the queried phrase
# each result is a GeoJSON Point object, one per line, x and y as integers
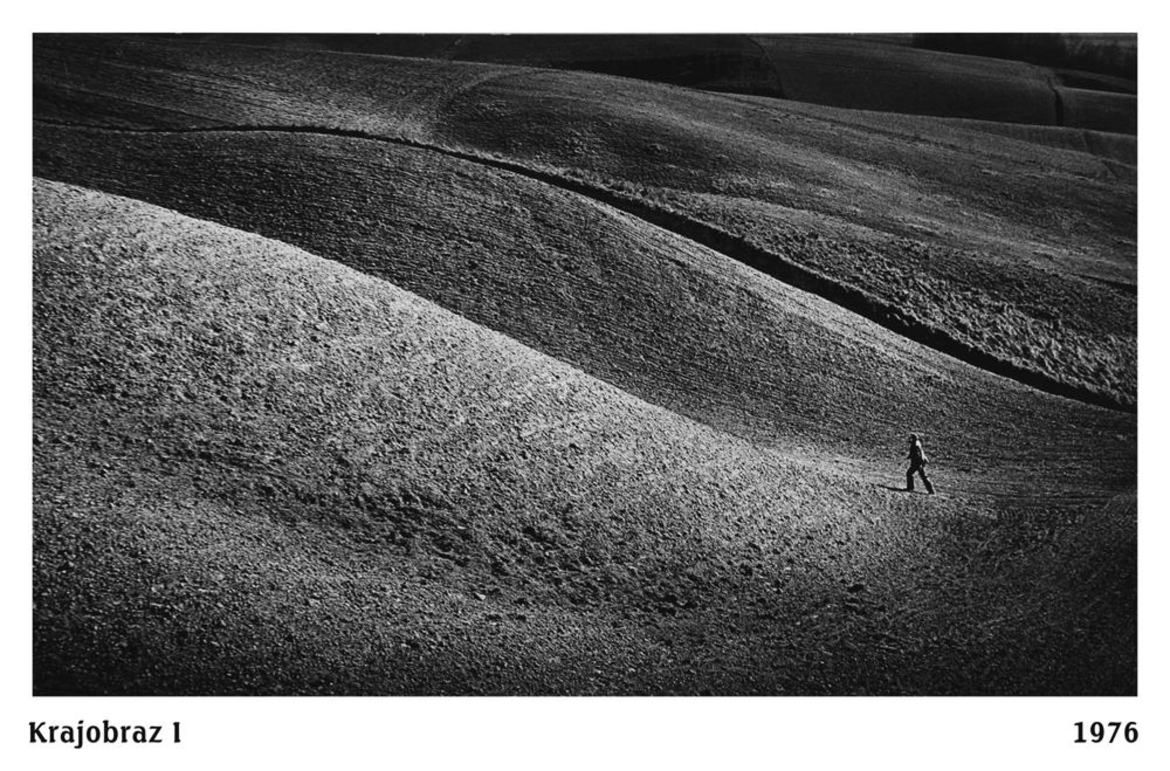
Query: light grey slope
{"type": "Point", "coordinates": [258, 471]}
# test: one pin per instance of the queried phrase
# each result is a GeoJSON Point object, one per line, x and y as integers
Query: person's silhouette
{"type": "Point", "coordinates": [917, 459]}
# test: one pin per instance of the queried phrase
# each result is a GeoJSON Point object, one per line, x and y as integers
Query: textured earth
{"type": "Point", "coordinates": [356, 373]}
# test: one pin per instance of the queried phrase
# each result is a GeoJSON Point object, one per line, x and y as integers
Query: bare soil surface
{"type": "Point", "coordinates": [540, 265]}
{"type": "Point", "coordinates": [440, 377]}
{"type": "Point", "coordinates": [261, 472]}
{"type": "Point", "coordinates": [992, 77]}
{"type": "Point", "coordinates": [1018, 249]}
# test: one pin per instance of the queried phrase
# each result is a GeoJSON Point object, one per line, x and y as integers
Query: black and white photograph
{"type": "Point", "coordinates": [583, 364]}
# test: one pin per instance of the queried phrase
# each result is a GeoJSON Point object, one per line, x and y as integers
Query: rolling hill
{"type": "Point", "coordinates": [258, 471]}
{"type": "Point", "coordinates": [1021, 251]}
{"type": "Point", "coordinates": [1021, 79]}
{"type": "Point", "coordinates": [367, 374]}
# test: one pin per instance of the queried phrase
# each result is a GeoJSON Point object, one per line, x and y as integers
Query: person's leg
{"type": "Point", "coordinates": [910, 479]}
{"type": "Point", "coordinates": [925, 480]}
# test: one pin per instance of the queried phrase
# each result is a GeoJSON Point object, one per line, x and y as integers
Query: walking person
{"type": "Point", "coordinates": [917, 459]}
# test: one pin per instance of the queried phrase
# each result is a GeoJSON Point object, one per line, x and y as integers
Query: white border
{"type": "Point", "coordinates": [590, 733]}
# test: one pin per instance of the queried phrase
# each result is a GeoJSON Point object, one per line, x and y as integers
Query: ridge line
{"type": "Point", "coordinates": [734, 247]}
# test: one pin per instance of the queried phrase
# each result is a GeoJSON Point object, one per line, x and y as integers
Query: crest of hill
{"type": "Point", "coordinates": [249, 369]}
{"type": "Point", "coordinates": [258, 471]}
{"type": "Point", "coordinates": [200, 376]}
{"type": "Point", "coordinates": [663, 318]}
{"type": "Point", "coordinates": [923, 75]}
{"type": "Point", "coordinates": [1016, 248]}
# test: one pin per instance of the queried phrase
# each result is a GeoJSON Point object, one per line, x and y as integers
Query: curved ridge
{"type": "Point", "coordinates": [769, 263]}
{"type": "Point", "coordinates": [444, 495]}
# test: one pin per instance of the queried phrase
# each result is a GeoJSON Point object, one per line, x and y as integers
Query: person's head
{"type": "Point", "coordinates": [913, 438]}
